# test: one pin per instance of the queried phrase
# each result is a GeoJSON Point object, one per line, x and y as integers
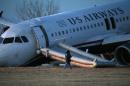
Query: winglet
{"type": "Point", "coordinates": [1, 13]}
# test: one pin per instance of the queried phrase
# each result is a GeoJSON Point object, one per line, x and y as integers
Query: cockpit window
{"type": "Point", "coordinates": [5, 28]}
{"type": "Point", "coordinates": [18, 40]}
{"type": "Point", "coordinates": [8, 40]}
{"type": "Point", "coordinates": [24, 38]}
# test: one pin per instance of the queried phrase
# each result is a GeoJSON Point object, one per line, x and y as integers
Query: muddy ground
{"type": "Point", "coordinates": [58, 76]}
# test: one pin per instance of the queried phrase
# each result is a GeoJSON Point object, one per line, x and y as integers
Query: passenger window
{"type": "Point", "coordinates": [70, 31]}
{"type": "Point", "coordinates": [63, 32]}
{"type": "Point", "coordinates": [117, 20]}
{"type": "Point", "coordinates": [8, 40]}
{"type": "Point", "coordinates": [67, 32]}
{"type": "Point", "coordinates": [95, 25]}
{"type": "Point", "coordinates": [77, 29]}
{"type": "Point", "coordinates": [123, 18]}
{"type": "Point", "coordinates": [73, 30]}
{"type": "Point", "coordinates": [102, 23]}
{"type": "Point", "coordinates": [98, 24]}
{"type": "Point", "coordinates": [91, 26]}
{"type": "Point", "coordinates": [88, 26]}
{"type": "Point", "coordinates": [18, 40]}
{"type": "Point", "coordinates": [52, 35]}
{"type": "Point", "coordinates": [24, 39]}
{"type": "Point", "coordinates": [120, 20]}
{"type": "Point", "coordinates": [80, 28]}
{"type": "Point", "coordinates": [84, 27]}
{"type": "Point", "coordinates": [59, 33]}
{"type": "Point", "coordinates": [127, 18]}
{"type": "Point", "coordinates": [55, 33]}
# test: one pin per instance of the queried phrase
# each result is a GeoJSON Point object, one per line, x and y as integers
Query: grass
{"type": "Point", "coordinates": [42, 76]}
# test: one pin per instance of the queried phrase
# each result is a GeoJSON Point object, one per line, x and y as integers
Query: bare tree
{"type": "Point", "coordinates": [36, 8]}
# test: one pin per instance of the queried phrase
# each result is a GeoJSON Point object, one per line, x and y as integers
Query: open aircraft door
{"type": "Point", "coordinates": [40, 36]}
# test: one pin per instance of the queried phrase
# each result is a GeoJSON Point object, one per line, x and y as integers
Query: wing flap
{"type": "Point", "coordinates": [107, 39]}
{"type": "Point", "coordinates": [95, 40]}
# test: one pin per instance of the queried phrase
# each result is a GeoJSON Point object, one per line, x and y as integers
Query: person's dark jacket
{"type": "Point", "coordinates": [68, 57]}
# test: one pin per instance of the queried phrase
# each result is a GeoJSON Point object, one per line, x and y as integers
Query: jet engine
{"type": "Point", "coordinates": [122, 54]}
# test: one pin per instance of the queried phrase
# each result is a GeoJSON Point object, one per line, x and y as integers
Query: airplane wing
{"type": "Point", "coordinates": [4, 21]}
{"type": "Point", "coordinates": [101, 40]}
{"type": "Point", "coordinates": [116, 39]}
{"type": "Point", "coordinates": [79, 58]}
{"type": "Point", "coordinates": [105, 39]}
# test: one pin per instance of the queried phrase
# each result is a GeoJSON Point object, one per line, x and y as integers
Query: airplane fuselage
{"type": "Point", "coordinates": [89, 26]}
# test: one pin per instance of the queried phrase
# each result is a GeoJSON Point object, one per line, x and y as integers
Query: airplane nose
{"type": "Point", "coordinates": [4, 61]}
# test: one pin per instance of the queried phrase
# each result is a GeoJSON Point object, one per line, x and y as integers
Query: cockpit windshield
{"type": "Point", "coordinates": [20, 39]}
{"type": "Point", "coordinates": [8, 40]}
{"type": "Point", "coordinates": [24, 39]}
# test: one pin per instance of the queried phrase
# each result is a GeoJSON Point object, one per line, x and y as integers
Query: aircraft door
{"type": "Point", "coordinates": [40, 38]}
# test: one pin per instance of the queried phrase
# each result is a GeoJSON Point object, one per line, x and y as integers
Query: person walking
{"type": "Point", "coordinates": [68, 60]}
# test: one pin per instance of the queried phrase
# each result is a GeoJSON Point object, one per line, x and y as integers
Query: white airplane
{"type": "Point", "coordinates": [98, 28]}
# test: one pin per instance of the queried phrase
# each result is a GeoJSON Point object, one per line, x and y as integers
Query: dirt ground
{"type": "Point", "coordinates": [43, 76]}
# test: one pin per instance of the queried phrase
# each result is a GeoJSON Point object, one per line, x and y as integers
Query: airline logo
{"type": "Point", "coordinates": [91, 17]}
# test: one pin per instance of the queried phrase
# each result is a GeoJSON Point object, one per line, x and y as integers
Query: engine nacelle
{"type": "Point", "coordinates": [122, 54]}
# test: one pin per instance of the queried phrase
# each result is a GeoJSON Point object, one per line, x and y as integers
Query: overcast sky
{"type": "Point", "coordinates": [9, 6]}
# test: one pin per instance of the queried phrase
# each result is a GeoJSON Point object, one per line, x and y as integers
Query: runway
{"type": "Point", "coordinates": [58, 76]}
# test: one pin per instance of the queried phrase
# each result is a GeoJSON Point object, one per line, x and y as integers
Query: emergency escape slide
{"type": "Point", "coordinates": [85, 60]}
